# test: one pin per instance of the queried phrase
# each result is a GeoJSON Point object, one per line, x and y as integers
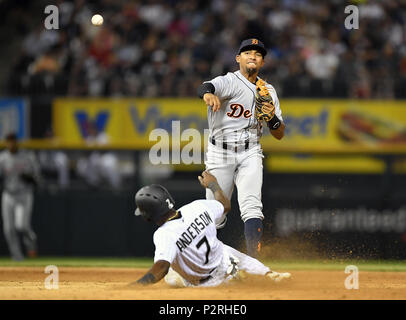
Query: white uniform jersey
{"type": "Point", "coordinates": [190, 243]}
{"type": "Point", "coordinates": [236, 121]}
{"type": "Point", "coordinates": [13, 165]}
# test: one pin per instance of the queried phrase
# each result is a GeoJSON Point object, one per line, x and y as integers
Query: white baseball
{"type": "Point", "coordinates": [97, 20]}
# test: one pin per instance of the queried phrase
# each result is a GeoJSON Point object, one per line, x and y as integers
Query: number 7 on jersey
{"type": "Point", "coordinates": [200, 243]}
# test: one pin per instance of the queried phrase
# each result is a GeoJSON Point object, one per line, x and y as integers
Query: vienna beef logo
{"type": "Point", "coordinates": [153, 116]}
{"type": "Point", "coordinates": [91, 125]}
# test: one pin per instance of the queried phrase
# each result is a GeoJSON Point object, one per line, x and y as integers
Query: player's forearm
{"type": "Point", "coordinates": [155, 274]}
{"type": "Point", "coordinates": [219, 196]}
{"type": "Point", "coordinates": [278, 133]}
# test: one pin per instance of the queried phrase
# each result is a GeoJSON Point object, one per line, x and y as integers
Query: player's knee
{"type": "Point", "coordinates": [21, 229]}
{"type": "Point", "coordinates": [174, 279]}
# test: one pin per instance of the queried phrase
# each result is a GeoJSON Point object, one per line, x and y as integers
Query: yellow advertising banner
{"type": "Point", "coordinates": [342, 126]}
{"type": "Point", "coordinates": [315, 126]}
{"type": "Point", "coordinates": [124, 123]}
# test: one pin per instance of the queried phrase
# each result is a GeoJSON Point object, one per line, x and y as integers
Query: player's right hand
{"type": "Point", "coordinates": [212, 101]}
{"type": "Point", "coordinates": [206, 178]}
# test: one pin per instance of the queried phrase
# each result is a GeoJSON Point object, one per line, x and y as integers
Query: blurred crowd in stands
{"type": "Point", "coordinates": [94, 170]}
{"type": "Point", "coordinates": [161, 48]}
{"type": "Point", "coordinates": [166, 48]}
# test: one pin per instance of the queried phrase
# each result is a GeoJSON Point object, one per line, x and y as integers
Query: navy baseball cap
{"type": "Point", "coordinates": [250, 44]}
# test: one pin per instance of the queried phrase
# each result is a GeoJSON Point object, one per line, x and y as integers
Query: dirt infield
{"type": "Point", "coordinates": [25, 283]}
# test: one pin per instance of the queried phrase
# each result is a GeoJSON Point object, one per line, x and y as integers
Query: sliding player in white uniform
{"type": "Point", "coordinates": [20, 173]}
{"type": "Point", "coordinates": [234, 154]}
{"type": "Point", "coordinates": [187, 251]}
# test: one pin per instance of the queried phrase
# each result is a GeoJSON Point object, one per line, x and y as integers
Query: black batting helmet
{"type": "Point", "coordinates": [153, 202]}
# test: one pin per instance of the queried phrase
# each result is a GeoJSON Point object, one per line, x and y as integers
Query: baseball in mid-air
{"type": "Point", "coordinates": [97, 20]}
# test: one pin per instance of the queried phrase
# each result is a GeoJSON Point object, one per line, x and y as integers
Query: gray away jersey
{"type": "Point", "coordinates": [13, 165]}
{"type": "Point", "coordinates": [236, 121]}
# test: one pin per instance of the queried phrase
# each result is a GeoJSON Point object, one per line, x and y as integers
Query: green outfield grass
{"type": "Point", "coordinates": [107, 262]}
{"type": "Point", "coordinates": [363, 265]}
{"type": "Point", "coordinates": [279, 265]}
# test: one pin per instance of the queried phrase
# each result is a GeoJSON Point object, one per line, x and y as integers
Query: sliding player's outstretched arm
{"type": "Point", "coordinates": [209, 181]}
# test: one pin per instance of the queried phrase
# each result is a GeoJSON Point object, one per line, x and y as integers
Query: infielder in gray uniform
{"type": "Point", "coordinates": [20, 174]}
{"type": "Point", "coordinates": [234, 154]}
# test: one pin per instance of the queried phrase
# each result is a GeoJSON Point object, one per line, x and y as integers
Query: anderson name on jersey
{"type": "Point", "coordinates": [194, 229]}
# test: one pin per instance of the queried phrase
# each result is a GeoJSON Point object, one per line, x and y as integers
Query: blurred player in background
{"type": "Point", "coordinates": [187, 250]}
{"type": "Point", "coordinates": [20, 174]}
{"type": "Point", "coordinates": [234, 153]}
{"type": "Point", "coordinates": [99, 166]}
